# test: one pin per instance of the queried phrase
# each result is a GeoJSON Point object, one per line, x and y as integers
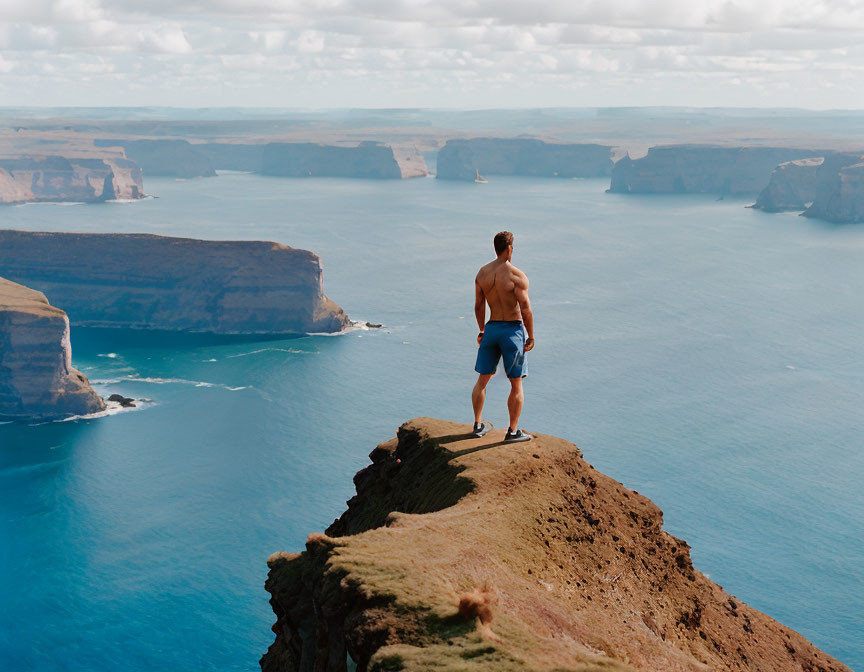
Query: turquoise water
{"type": "Point", "coordinates": [707, 355]}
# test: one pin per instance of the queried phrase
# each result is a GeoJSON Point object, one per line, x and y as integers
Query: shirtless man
{"type": "Point", "coordinates": [505, 288]}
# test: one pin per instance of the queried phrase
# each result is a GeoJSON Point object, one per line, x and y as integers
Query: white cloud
{"type": "Point", "coordinates": [427, 52]}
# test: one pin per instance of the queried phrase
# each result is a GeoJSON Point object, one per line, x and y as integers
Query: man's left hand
{"type": "Point", "coordinates": [529, 345]}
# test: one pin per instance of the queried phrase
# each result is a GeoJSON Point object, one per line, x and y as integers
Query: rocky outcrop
{"type": "Point", "coordinates": [468, 554]}
{"type": "Point", "coordinates": [169, 158]}
{"type": "Point", "coordinates": [37, 381]}
{"type": "Point", "coordinates": [463, 159]}
{"type": "Point", "coordinates": [702, 169]}
{"type": "Point", "coordinates": [840, 197]}
{"type": "Point", "coordinates": [306, 159]}
{"type": "Point", "coordinates": [58, 179]}
{"type": "Point", "coordinates": [155, 282]}
{"type": "Point", "coordinates": [795, 184]}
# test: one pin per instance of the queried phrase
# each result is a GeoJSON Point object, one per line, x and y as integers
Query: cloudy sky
{"type": "Point", "coordinates": [432, 53]}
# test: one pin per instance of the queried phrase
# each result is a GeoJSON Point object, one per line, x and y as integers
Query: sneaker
{"type": "Point", "coordinates": [481, 429]}
{"type": "Point", "coordinates": [517, 436]}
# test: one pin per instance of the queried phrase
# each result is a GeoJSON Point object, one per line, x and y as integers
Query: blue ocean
{"type": "Point", "coordinates": [707, 355]}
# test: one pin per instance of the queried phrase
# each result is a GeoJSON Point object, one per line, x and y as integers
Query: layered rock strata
{"type": "Point", "coordinates": [794, 185]}
{"type": "Point", "coordinates": [170, 158]}
{"type": "Point", "coordinates": [371, 160]}
{"type": "Point", "coordinates": [469, 554]}
{"type": "Point", "coordinates": [37, 380]}
{"type": "Point", "coordinates": [703, 169]}
{"type": "Point", "coordinates": [308, 159]}
{"type": "Point", "coordinates": [464, 159]}
{"type": "Point", "coordinates": [58, 178]}
{"type": "Point", "coordinates": [840, 196]}
{"type": "Point", "coordinates": [156, 282]}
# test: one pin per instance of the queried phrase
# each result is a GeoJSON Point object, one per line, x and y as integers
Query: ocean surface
{"type": "Point", "coordinates": [707, 355]}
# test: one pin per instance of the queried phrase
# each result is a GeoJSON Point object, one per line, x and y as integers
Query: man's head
{"type": "Point", "coordinates": [504, 243]}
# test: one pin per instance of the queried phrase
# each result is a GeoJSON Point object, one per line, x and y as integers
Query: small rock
{"type": "Point", "coordinates": [374, 326]}
{"type": "Point", "coordinates": [125, 402]}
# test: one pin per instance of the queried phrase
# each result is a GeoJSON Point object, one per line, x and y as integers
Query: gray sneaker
{"type": "Point", "coordinates": [517, 436]}
{"type": "Point", "coordinates": [481, 429]}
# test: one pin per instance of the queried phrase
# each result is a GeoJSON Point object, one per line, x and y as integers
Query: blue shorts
{"type": "Point", "coordinates": [502, 338]}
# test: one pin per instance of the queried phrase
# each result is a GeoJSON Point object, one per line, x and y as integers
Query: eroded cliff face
{"type": "Point", "coordinates": [57, 179]}
{"type": "Point", "coordinates": [310, 160]}
{"type": "Point", "coordinates": [171, 158]}
{"type": "Point", "coordinates": [37, 381]}
{"type": "Point", "coordinates": [840, 197]}
{"type": "Point", "coordinates": [156, 282]}
{"type": "Point", "coordinates": [795, 184]}
{"type": "Point", "coordinates": [371, 160]}
{"type": "Point", "coordinates": [470, 554]}
{"type": "Point", "coordinates": [702, 169]}
{"type": "Point", "coordinates": [463, 159]}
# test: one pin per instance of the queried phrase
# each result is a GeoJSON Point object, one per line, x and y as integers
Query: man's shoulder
{"type": "Point", "coordinates": [485, 268]}
{"type": "Point", "coordinates": [518, 274]}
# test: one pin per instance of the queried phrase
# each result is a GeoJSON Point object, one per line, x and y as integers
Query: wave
{"type": "Point", "coordinates": [360, 325]}
{"type": "Point", "coordinates": [125, 201]}
{"type": "Point", "coordinates": [292, 351]}
{"type": "Point", "coordinates": [166, 381]}
{"type": "Point", "coordinates": [109, 355]}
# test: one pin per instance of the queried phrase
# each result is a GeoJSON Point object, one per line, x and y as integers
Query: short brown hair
{"type": "Point", "coordinates": [502, 241]}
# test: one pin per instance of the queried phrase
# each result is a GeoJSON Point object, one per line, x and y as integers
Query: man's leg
{"type": "Point", "coordinates": [478, 395]}
{"type": "Point", "coordinates": [514, 402]}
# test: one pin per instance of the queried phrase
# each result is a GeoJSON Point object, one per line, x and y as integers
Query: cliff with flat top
{"type": "Point", "coordinates": [463, 159]}
{"type": "Point", "coordinates": [713, 169]}
{"type": "Point", "coordinates": [155, 282]}
{"type": "Point", "coordinates": [794, 185]}
{"type": "Point", "coordinates": [840, 196]}
{"type": "Point", "coordinates": [25, 179]}
{"type": "Point", "coordinates": [163, 157]}
{"type": "Point", "coordinates": [461, 554]}
{"type": "Point", "coordinates": [37, 380]}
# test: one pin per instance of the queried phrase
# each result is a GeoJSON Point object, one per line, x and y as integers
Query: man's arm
{"type": "Point", "coordinates": [521, 292]}
{"type": "Point", "coordinates": [479, 308]}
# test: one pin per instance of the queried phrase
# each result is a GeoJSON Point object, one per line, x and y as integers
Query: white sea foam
{"type": "Point", "coordinates": [111, 408]}
{"type": "Point", "coordinates": [165, 381]}
{"type": "Point", "coordinates": [292, 351]}
{"type": "Point", "coordinates": [109, 355]}
{"type": "Point", "coordinates": [126, 201]}
{"type": "Point", "coordinates": [360, 325]}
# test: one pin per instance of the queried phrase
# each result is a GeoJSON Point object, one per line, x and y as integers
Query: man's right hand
{"type": "Point", "coordinates": [479, 337]}
{"type": "Point", "coordinates": [529, 345]}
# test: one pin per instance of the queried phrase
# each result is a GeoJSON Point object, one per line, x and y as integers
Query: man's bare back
{"type": "Point", "coordinates": [499, 281]}
{"type": "Point", "coordinates": [506, 337]}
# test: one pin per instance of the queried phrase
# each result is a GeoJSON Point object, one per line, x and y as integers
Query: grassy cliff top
{"type": "Point", "coordinates": [470, 554]}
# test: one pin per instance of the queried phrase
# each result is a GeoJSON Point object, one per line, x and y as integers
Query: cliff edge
{"type": "Point", "coordinates": [37, 381]}
{"type": "Point", "coordinates": [142, 281]}
{"type": "Point", "coordinates": [58, 178]}
{"type": "Point", "coordinates": [470, 554]}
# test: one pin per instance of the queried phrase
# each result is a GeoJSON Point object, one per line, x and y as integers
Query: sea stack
{"type": "Point", "coordinates": [37, 381]}
{"type": "Point", "coordinates": [461, 554]}
{"type": "Point", "coordinates": [140, 281]}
